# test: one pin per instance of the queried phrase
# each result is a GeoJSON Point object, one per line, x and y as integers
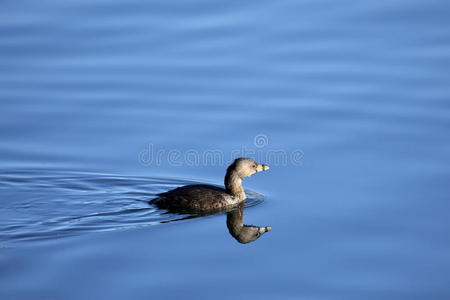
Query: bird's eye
{"type": "Point", "coordinates": [254, 166]}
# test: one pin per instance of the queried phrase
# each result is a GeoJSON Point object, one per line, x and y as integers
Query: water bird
{"type": "Point", "coordinates": [205, 198]}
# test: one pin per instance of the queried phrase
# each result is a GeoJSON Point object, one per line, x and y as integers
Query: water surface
{"type": "Point", "coordinates": [42, 204]}
{"type": "Point", "coordinates": [361, 89]}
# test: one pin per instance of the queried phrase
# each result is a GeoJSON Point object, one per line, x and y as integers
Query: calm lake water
{"type": "Point", "coordinates": [106, 103]}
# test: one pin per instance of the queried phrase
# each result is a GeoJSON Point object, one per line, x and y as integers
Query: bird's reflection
{"type": "Point", "coordinates": [243, 233]}
{"type": "Point", "coordinates": [235, 222]}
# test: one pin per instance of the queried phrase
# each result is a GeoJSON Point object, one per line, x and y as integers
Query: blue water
{"type": "Point", "coordinates": [106, 103]}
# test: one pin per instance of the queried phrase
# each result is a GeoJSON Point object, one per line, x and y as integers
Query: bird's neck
{"type": "Point", "coordinates": [235, 221]}
{"type": "Point", "coordinates": [233, 184]}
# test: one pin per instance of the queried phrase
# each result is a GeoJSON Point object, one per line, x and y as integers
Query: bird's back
{"type": "Point", "coordinates": [196, 197]}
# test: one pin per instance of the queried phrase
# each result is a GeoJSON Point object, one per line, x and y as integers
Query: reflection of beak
{"type": "Point", "coordinates": [264, 229]}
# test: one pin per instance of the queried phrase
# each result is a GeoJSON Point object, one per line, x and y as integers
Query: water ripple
{"type": "Point", "coordinates": [44, 205]}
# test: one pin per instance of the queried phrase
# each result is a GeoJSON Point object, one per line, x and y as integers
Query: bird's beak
{"type": "Point", "coordinates": [267, 228]}
{"type": "Point", "coordinates": [262, 168]}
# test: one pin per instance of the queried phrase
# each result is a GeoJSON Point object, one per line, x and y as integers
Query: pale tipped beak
{"type": "Point", "coordinates": [262, 230]}
{"type": "Point", "coordinates": [261, 168]}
